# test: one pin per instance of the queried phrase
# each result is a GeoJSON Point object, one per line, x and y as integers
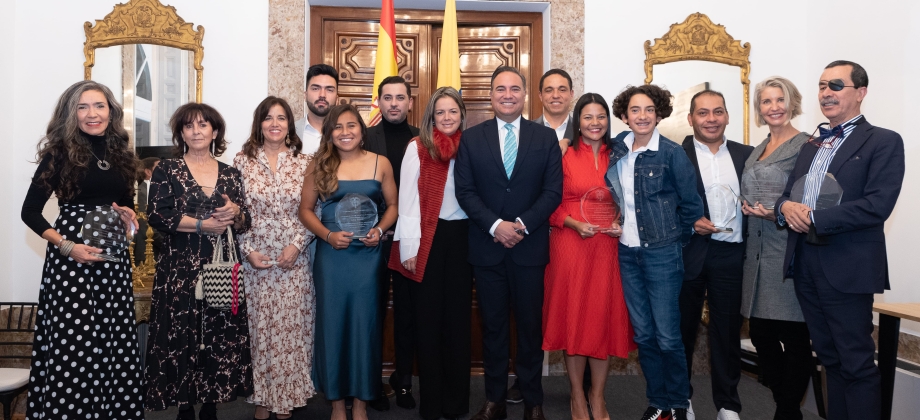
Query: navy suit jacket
{"type": "Point", "coordinates": [695, 251]}
{"type": "Point", "coordinates": [870, 168]}
{"type": "Point", "coordinates": [486, 194]}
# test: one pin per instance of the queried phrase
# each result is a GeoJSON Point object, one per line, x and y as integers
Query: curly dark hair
{"type": "Point", "coordinates": [257, 139]}
{"type": "Point", "coordinates": [69, 153]}
{"type": "Point", "coordinates": [326, 159]}
{"type": "Point", "coordinates": [659, 96]}
{"type": "Point", "coordinates": [187, 114]}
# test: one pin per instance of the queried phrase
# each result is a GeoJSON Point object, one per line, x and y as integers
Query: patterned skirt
{"type": "Point", "coordinates": [85, 359]}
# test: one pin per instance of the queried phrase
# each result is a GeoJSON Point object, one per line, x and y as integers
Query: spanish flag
{"type": "Point", "coordinates": [386, 55]}
{"type": "Point", "coordinates": [449, 57]}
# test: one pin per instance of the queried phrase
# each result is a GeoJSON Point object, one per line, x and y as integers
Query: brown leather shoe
{"type": "Point", "coordinates": [492, 411]}
{"type": "Point", "coordinates": [534, 413]}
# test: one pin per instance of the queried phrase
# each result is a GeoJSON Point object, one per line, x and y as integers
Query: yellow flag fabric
{"type": "Point", "coordinates": [386, 55]}
{"type": "Point", "coordinates": [449, 57]}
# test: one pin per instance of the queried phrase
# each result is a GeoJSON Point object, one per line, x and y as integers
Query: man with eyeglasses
{"type": "Point", "coordinates": [836, 255]}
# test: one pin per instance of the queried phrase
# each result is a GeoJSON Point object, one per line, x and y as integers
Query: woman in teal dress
{"type": "Point", "coordinates": [347, 355]}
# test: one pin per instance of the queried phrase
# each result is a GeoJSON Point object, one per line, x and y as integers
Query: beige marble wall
{"type": "Point", "coordinates": [286, 49]}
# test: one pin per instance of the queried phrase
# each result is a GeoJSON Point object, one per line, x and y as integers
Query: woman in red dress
{"type": "Point", "coordinates": [584, 313]}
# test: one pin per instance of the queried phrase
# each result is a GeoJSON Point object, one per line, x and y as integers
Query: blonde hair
{"type": "Point", "coordinates": [791, 94]}
{"type": "Point", "coordinates": [426, 131]}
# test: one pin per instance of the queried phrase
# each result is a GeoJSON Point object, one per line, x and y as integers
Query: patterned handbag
{"type": "Point", "coordinates": [220, 283]}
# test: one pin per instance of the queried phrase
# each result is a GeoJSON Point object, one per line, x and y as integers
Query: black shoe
{"type": "Point", "coordinates": [491, 411]}
{"type": "Point", "coordinates": [381, 403]}
{"type": "Point", "coordinates": [514, 396]}
{"type": "Point", "coordinates": [404, 398]}
{"type": "Point", "coordinates": [678, 414]}
{"type": "Point", "coordinates": [208, 412]}
{"type": "Point", "coordinates": [653, 413]}
{"type": "Point", "coordinates": [186, 412]}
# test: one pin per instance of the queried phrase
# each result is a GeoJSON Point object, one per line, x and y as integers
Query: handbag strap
{"type": "Point", "coordinates": [232, 257]}
{"type": "Point", "coordinates": [218, 254]}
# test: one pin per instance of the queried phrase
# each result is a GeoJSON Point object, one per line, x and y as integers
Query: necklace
{"type": "Point", "coordinates": [101, 163]}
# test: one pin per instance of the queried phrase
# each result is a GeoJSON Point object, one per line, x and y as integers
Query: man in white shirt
{"type": "Point", "coordinates": [321, 94]}
{"type": "Point", "coordinates": [713, 260]}
{"type": "Point", "coordinates": [556, 95]}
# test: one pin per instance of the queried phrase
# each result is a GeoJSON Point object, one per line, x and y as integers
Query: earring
{"type": "Point", "coordinates": [287, 140]}
{"type": "Point", "coordinates": [184, 148]}
{"type": "Point", "coordinates": [213, 147]}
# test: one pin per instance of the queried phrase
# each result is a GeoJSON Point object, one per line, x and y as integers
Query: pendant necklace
{"type": "Point", "coordinates": [101, 163]}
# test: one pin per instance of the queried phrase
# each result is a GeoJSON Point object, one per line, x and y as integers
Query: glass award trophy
{"type": "Point", "coordinates": [199, 205]}
{"type": "Point", "coordinates": [829, 192]}
{"type": "Point", "coordinates": [103, 228]}
{"type": "Point", "coordinates": [764, 185]}
{"type": "Point", "coordinates": [356, 213]}
{"type": "Point", "coordinates": [723, 206]}
{"type": "Point", "coordinates": [600, 209]}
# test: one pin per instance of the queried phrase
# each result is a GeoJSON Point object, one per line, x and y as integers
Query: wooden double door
{"type": "Point", "coordinates": [346, 39]}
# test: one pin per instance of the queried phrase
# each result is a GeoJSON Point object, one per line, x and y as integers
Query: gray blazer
{"type": "Point", "coordinates": [765, 293]}
{"type": "Point", "coordinates": [569, 128]}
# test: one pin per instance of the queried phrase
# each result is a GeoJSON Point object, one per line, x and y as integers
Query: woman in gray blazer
{"type": "Point", "coordinates": [777, 327]}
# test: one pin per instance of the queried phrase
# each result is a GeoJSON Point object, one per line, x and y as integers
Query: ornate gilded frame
{"type": "Point", "coordinates": [144, 22]}
{"type": "Point", "coordinates": [697, 38]}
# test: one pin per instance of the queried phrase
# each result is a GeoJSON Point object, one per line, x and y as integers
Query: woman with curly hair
{"type": "Point", "coordinates": [347, 357]}
{"type": "Point", "coordinates": [86, 304]}
{"type": "Point", "coordinates": [656, 188]}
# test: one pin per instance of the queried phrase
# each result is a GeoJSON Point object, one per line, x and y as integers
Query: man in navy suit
{"type": "Point", "coordinates": [837, 255]}
{"type": "Point", "coordinates": [508, 177]}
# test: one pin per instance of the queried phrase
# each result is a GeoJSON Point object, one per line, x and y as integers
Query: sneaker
{"type": "Point", "coordinates": [678, 414]}
{"type": "Point", "coordinates": [690, 415]}
{"type": "Point", "coordinates": [727, 415]}
{"type": "Point", "coordinates": [653, 413]}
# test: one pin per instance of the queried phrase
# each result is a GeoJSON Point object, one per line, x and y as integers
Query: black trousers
{"type": "Point", "coordinates": [786, 363]}
{"type": "Point", "coordinates": [500, 289]}
{"type": "Point", "coordinates": [403, 320]}
{"type": "Point", "coordinates": [443, 305]}
{"type": "Point", "coordinates": [840, 326]}
{"type": "Point", "coordinates": [720, 283]}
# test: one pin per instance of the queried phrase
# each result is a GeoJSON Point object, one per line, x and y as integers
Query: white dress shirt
{"type": "Point", "coordinates": [310, 137]}
{"type": "Point", "coordinates": [560, 131]}
{"type": "Point", "coordinates": [718, 168]}
{"type": "Point", "coordinates": [409, 225]}
{"type": "Point", "coordinates": [626, 167]}
{"type": "Point", "coordinates": [502, 132]}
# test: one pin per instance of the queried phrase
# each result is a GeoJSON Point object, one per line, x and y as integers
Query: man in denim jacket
{"type": "Point", "coordinates": [655, 185]}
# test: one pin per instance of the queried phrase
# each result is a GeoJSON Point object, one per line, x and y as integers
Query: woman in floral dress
{"type": "Point", "coordinates": [279, 287]}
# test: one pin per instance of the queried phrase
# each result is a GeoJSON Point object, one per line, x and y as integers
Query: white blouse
{"type": "Point", "coordinates": [409, 225]}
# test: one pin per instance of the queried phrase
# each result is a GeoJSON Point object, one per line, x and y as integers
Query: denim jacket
{"type": "Point", "coordinates": [667, 202]}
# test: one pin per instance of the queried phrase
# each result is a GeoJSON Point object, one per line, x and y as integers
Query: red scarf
{"type": "Point", "coordinates": [431, 181]}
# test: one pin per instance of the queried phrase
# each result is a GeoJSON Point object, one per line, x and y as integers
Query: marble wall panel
{"type": "Point", "coordinates": [286, 49]}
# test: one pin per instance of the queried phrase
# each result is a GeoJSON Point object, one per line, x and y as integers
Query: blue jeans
{"type": "Point", "coordinates": [652, 279]}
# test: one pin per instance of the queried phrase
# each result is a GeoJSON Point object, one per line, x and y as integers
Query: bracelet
{"type": "Point", "coordinates": [379, 230]}
{"type": "Point", "coordinates": [327, 236]}
{"type": "Point", "coordinates": [198, 226]}
{"type": "Point", "coordinates": [66, 247]}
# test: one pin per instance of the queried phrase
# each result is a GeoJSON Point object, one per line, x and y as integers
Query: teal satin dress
{"type": "Point", "coordinates": [348, 360]}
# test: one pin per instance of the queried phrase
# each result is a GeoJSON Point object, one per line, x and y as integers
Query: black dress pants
{"type": "Point", "coordinates": [403, 320]}
{"type": "Point", "coordinates": [786, 363]}
{"type": "Point", "coordinates": [720, 284]}
{"type": "Point", "coordinates": [443, 304]}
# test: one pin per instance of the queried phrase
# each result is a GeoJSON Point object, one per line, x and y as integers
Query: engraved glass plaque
{"type": "Point", "coordinates": [356, 213]}
{"type": "Point", "coordinates": [199, 205]}
{"type": "Point", "coordinates": [103, 228]}
{"type": "Point", "coordinates": [600, 209]}
{"type": "Point", "coordinates": [763, 184]}
{"type": "Point", "coordinates": [828, 194]}
{"type": "Point", "coordinates": [723, 206]}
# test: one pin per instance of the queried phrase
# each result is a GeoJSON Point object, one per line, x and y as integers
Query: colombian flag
{"type": "Point", "coordinates": [449, 57]}
{"type": "Point", "coordinates": [386, 55]}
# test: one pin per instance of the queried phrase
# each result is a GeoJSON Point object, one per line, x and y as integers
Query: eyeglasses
{"type": "Point", "coordinates": [836, 85]}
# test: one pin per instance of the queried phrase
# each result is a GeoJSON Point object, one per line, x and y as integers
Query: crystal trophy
{"type": "Point", "coordinates": [356, 213]}
{"type": "Point", "coordinates": [723, 206]}
{"type": "Point", "coordinates": [103, 228]}
{"type": "Point", "coordinates": [764, 185]}
{"type": "Point", "coordinates": [829, 192]}
{"type": "Point", "coordinates": [600, 209]}
{"type": "Point", "coordinates": [199, 205]}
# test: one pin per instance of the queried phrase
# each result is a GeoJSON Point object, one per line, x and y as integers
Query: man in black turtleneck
{"type": "Point", "coordinates": [390, 138]}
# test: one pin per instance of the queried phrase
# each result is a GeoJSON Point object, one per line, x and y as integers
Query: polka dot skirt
{"type": "Point", "coordinates": [85, 360]}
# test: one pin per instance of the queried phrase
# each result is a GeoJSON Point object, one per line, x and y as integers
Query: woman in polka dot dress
{"type": "Point", "coordinates": [85, 359]}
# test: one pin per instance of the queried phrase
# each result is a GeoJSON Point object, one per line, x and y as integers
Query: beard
{"type": "Point", "coordinates": [320, 112]}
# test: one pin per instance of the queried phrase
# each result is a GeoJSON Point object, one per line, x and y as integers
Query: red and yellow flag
{"type": "Point", "coordinates": [449, 57]}
{"type": "Point", "coordinates": [386, 55]}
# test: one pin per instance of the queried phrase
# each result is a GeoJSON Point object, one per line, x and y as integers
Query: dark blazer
{"type": "Point", "coordinates": [695, 251]}
{"type": "Point", "coordinates": [870, 168]}
{"type": "Point", "coordinates": [486, 194]}
{"type": "Point", "coordinates": [376, 141]}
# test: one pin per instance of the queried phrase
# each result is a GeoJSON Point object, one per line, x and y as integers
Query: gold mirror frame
{"type": "Point", "coordinates": [144, 22]}
{"type": "Point", "coordinates": [697, 38]}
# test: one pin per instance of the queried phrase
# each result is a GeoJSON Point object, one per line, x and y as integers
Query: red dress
{"type": "Point", "coordinates": [584, 312]}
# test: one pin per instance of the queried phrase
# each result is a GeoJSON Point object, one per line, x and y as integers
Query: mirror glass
{"type": "Point", "coordinates": [685, 78]}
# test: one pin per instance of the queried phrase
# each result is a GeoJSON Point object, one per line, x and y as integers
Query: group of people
{"type": "Point", "coordinates": [500, 202]}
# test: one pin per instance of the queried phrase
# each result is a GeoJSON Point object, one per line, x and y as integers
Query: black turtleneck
{"type": "Point", "coordinates": [397, 138]}
{"type": "Point", "coordinates": [97, 187]}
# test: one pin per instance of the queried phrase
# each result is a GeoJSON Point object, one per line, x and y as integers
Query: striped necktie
{"type": "Point", "coordinates": [510, 149]}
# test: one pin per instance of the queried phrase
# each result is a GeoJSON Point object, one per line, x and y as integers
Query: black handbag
{"type": "Point", "coordinates": [220, 282]}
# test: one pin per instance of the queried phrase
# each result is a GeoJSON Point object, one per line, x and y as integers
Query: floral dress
{"type": "Point", "coordinates": [280, 300]}
{"type": "Point", "coordinates": [195, 354]}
